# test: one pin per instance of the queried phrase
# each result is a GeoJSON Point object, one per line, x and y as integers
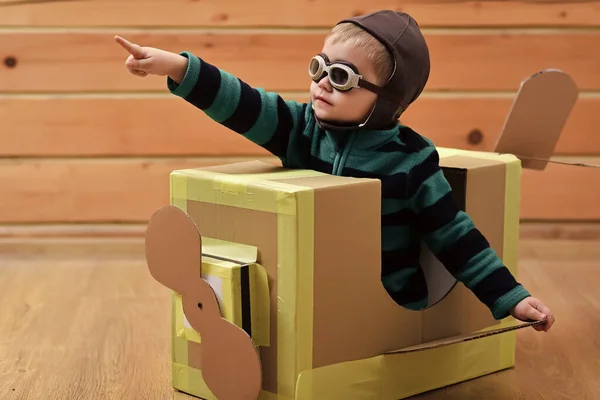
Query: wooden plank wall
{"type": "Point", "coordinates": [82, 141]}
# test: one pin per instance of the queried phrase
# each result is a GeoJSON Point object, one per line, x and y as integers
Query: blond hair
{"type": "Point", "coordinates": [353, 35]}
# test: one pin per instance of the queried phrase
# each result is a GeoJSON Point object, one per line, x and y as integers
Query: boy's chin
{"type": "Point", "coordinates": [323, 114]}
{"type": "Point", "coordinates": [329, 114]}
{"type": "Point", "coordinates": [333, 118]}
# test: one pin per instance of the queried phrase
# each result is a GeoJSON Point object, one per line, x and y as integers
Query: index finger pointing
{"type": "Point", "coordinates": [133, 49]}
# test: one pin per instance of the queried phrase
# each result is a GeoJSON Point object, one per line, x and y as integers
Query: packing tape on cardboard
{"type": "Point", "coordinates": [179, 345]}
{"type": "Point", "coordinates": [295, 279]}
{"type": "Point", "coordinates": [178, 190]}
{"type": "Point", "coordinates": [398, 376]}
{"type": "Point", "coordinates": [189, 380]}
{"type": "Point", "coordinates": [512, 204]}
{"type": "Point", "coordinates": [260, 306]}
{"type": "Point", "coordinates": [264, 395]}
{"type": "Point", "coordinates": [250, 191]}
{"type": "Point", "coordinates": [208, 187]}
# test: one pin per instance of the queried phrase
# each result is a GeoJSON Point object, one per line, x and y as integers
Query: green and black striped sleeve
{"type": "Point", "coordinates": [452, 236]}
{"type": "Point", "coordinates": [263, 117]}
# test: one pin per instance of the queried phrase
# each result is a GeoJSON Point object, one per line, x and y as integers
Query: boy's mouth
{"type": "Point", "coordinates": [323, 100]}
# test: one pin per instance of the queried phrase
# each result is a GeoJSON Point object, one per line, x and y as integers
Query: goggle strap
{"type": "Point", "coordinates": [369, 86]}
{"type": "Point", "coordinates": [378, 90]}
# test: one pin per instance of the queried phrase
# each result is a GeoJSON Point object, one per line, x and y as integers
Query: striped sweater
{"type": "Point", "coordinates": [417, 199]}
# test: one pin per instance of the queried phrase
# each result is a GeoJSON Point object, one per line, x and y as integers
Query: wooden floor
{"type": "Point", "coordinates": [84, 320]}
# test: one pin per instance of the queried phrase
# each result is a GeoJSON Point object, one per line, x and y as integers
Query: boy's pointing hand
{"type": "Point", "coordinates": [144, 61]}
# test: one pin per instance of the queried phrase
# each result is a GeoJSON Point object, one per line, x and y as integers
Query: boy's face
{"type": "Point", "coordinates": [354, 105]}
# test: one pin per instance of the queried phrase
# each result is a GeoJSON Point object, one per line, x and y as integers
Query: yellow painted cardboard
{"type": "Point", "coordinates": [380, 376]}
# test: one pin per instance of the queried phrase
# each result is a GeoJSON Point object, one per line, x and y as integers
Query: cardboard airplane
{"type": "Point", "coordinates": [258, 310]}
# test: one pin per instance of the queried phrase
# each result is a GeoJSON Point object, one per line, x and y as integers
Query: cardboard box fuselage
{"type": "Point", "coordinates": [318, 237]}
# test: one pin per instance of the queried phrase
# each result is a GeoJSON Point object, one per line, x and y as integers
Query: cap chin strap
{"type": "Point", "coordinates": [345, 127]}
{"type": "Point", "coordinates": [338, 127]}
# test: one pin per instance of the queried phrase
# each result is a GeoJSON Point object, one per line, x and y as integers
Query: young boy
{"type": "Point", "coordinates": [370, 69]}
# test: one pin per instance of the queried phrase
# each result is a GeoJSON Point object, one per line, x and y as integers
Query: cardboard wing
{"type": "Point", "coordinates": [464, 338]}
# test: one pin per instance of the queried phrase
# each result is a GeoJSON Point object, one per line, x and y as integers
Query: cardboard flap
{"type": "Point", "coordinates": [242, 167]}
{"type": "Point", "coordinates": [230, 251]}
{"type": "Point", "coordinates": [463, 338]}
{"type": "Point", "coordinates": [440, 282]}
{"type": "Point", "coordinates": [537, 117]}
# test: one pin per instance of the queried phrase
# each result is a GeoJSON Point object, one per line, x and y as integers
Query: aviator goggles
{"type": "Point", "coordinates": [342, 75]}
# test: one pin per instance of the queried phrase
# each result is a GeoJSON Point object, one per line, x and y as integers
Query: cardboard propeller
{"type": "Point", "coordinates": [537, 117]}
{"type": "Point", "coordinates": [229, 360]}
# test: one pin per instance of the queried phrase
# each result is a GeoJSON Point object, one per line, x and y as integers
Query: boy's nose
{"type": "Point", "coordinates": [325, 84]}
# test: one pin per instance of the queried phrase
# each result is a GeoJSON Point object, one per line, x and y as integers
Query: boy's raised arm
{"type": "Point", "coordinates": [263, 117]}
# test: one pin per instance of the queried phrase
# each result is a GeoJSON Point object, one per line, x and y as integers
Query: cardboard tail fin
{"type": "Point", "coordinates": [537, 117]}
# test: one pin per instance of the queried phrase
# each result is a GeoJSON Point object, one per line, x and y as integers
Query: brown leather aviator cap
{"type": "Point", "coordinates": [401, 35]}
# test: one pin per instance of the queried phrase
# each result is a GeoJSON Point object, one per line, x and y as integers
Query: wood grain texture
{"type": "Point", "coordinates": [74, 230]}
{"type": "Point", "coordinates": [104, 190]}
{"type": "Point", "coordinates": [44, 233]}
{"type": "Point", "coordinates": [550, 230]}
{"type": "Point", "coordinates": [74, 62]}
{"type": "Point", "coordinates": [130, 190]}
{"type": "Point", "coordinates": [293, 13]}
{"type": "Point", "coordinates": [78, 321]}
{"type": "Point", "coordinates": [166, 126]}
{"type": "Point", "coordinates": [561, 192]}
{"type": "Point", "coordinates": [79, 328]}
{"type": "Point", "coordinates": [67, 62]}
{"type": "Point", "coordinates": [115, 126]}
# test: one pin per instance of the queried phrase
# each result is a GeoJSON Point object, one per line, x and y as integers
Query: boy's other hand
{"type": "Point", "coordinates": [532, 309]}
{"type": "Point", "coordinates": [143, 61]}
